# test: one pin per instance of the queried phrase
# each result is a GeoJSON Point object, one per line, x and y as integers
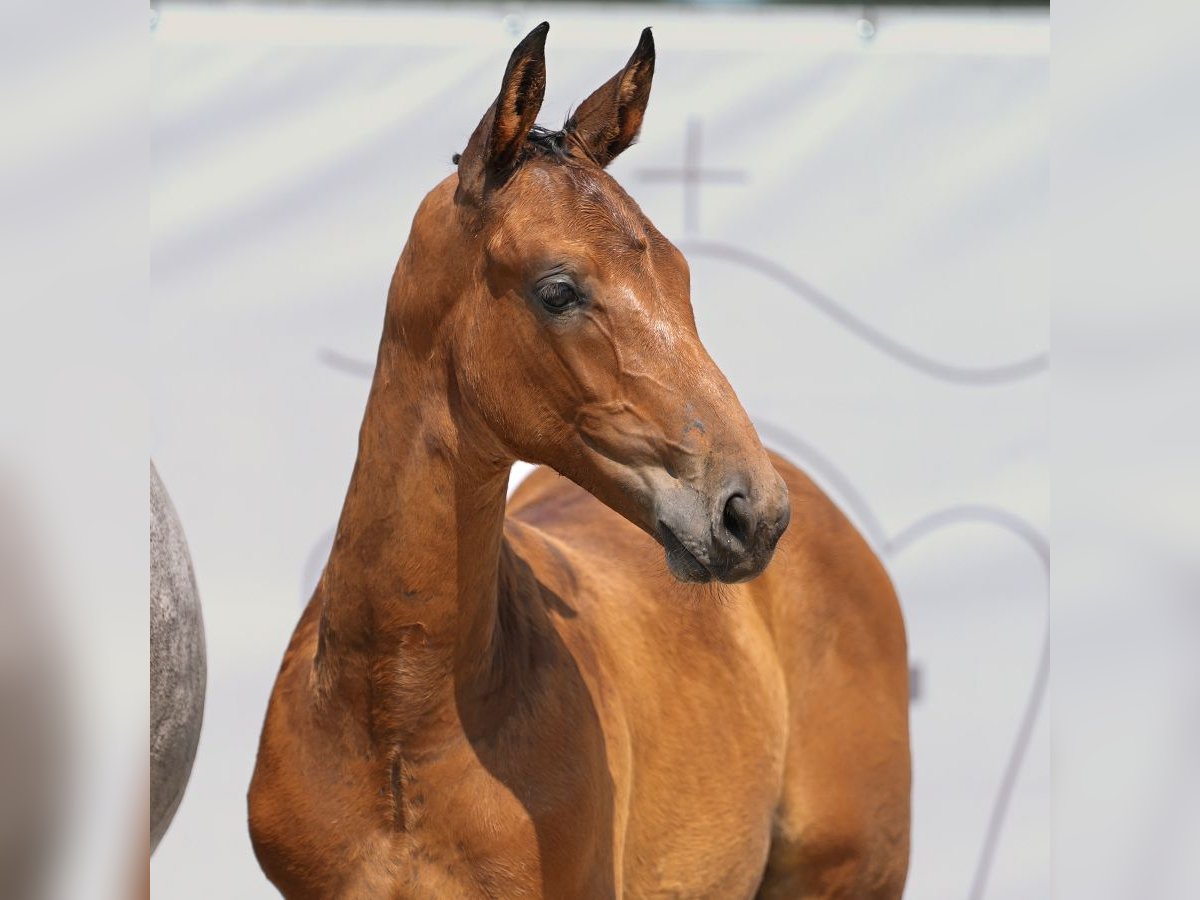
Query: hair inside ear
{"type": "Point", "coordinates": [608, 121]}
{"type": "Point", "coordinates": [495, 146]}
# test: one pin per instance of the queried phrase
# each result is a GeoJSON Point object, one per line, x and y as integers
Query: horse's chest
{"type": "Point", "coordinates": [428, 863]}
{"type": "Point", "coordinates": [479, 819]}
{"type": "Point", "coordinates": [466, 840]}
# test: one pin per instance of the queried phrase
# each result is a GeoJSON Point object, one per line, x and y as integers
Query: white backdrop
{"type": "Point", "coordinates": [866, 225]}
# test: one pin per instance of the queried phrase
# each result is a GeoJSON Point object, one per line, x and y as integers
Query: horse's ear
{"type": "Point", "coordinates": [496, 143]}
{"type": "Point", "coordinates": [607, 122]}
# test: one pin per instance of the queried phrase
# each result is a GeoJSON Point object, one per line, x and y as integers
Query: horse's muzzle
{"type": "Point", "coordinates": [730, 538]}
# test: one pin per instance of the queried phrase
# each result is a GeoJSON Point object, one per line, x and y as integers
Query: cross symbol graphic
{"type": "Point", "coordinates": [692, 175]}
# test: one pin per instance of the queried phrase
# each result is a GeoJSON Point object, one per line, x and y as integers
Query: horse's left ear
{"type": "Point", "coordinates": [496, 144]}
{"type": "Point", "coordinates": [607, 122]}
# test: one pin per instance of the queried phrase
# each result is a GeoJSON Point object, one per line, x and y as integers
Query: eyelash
{"type": "Point", "coordinates": [558, 296]}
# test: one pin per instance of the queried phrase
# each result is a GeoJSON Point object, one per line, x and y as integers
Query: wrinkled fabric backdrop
{"type": "Point", "coordinates": [865, 219]}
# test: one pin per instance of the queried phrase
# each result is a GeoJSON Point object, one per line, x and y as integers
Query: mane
{"type": "Point", "coordinates": [543, 142]}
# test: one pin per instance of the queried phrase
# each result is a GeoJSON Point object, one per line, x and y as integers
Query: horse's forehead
{"type": "Point", "coordinates": [587, 198]}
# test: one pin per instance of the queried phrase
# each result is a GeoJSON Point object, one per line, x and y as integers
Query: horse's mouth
{"type": "Point", "coordinates": [682, 562]}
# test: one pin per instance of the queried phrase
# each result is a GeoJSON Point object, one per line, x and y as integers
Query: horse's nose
{"type": "Point", "coordinates": [737, 525]}
{"type": "Point", "coordinates": [747, 529]}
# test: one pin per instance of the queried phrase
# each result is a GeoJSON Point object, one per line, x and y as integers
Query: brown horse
{"type": "Point", "coordinates": [528, 703]}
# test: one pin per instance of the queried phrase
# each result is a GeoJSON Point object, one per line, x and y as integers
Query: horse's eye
{"type": "Point", "coordinates": [557, 296]}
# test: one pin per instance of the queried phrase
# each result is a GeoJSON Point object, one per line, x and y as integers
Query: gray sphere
{"type": "Point", "coordinates": [177, 661]}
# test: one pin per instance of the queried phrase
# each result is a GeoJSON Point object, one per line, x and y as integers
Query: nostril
{"type": "Point", "coordinates": [736, 519]}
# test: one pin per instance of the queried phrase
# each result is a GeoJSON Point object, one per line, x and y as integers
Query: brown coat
{"type": "Point", "coordinates": [484, 701]}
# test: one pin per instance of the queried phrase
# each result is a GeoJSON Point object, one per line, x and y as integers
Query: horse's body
{"type": "Point", "coordinates": [481, 703]}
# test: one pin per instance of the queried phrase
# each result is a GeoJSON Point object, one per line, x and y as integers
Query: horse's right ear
{"type": "Point", "coordinates": [496, 143]}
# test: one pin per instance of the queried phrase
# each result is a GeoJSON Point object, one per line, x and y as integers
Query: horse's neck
{"type": "Point", "coordinates": [410, 589]}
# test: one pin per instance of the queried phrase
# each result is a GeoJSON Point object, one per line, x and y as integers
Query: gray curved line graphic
{"type": "Point", "coordinates": [776, 436]}
{"type": "Point", "coordinates": [314, 565]}
{"type": "Point", "coordinates": [893, 545]}
{"type": "Point", "coordinates": [956, 515]}
{"type": "Point", "coordinates": [989, 375]}
{"type": "Point", "coordinates": [991, 515]}
{"type": "Point", "coordinates": [344, 363]}
{"type": "Point", "coordinates": [1037, 543]}
{"type": "Point", "coordinates": [1016, 758]}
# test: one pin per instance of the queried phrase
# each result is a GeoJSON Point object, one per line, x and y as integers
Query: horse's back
{"type": "Point", "coordinates": [559, 507]}
{"type": "Point", "coordinates": [822, 566]}
{"type": "Point", "coordinates": [823, 580]}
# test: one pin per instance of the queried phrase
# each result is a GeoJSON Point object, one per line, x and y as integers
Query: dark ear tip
{"type": "Point", "coordinates": [645, 45]}
{"type": "Point", "coordinates": [533, 44]}
{"type": "Point", "coordinates": [536, 38]}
